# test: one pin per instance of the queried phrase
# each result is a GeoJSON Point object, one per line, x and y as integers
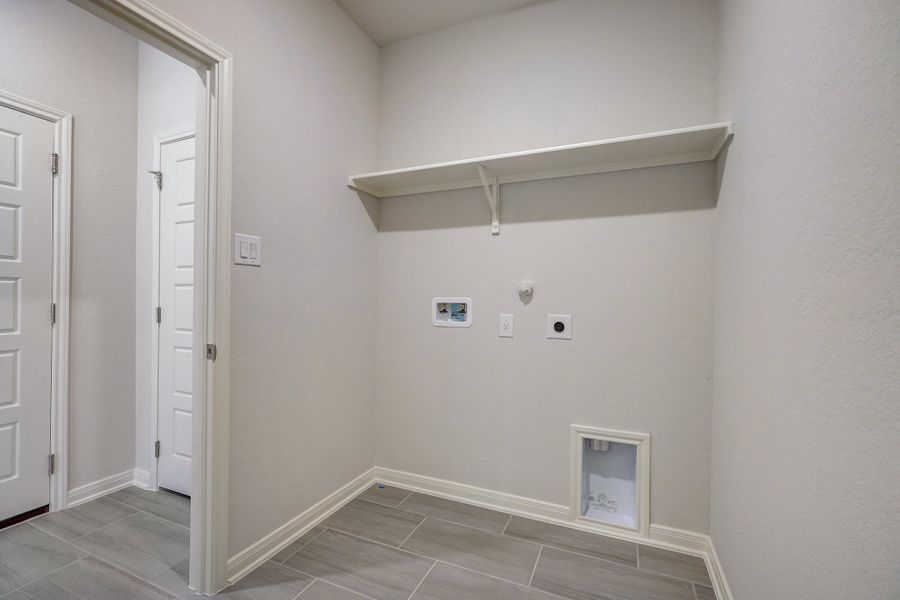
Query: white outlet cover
{"type": "Point", "coordinates": [566, 333]}
{"type": "Point", "coordinates": [507, 326]}
{"type": "Point", "coordinates": [247, 250]}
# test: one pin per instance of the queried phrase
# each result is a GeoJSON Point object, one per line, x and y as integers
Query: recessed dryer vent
{"type": "Point", "coordinates": [610, 478]}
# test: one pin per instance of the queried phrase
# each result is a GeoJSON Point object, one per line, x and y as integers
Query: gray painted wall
{"type": "Point", "coordinates": [806, 426]}
{"type": "Point", "coordinates": [89, 68]}
{"type": "Point", "coordinates": [628, 254]}
{"type": "Point", "coordinates": [303, 364]}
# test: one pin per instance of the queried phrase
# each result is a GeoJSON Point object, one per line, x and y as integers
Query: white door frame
{"type": "Point", "coordinates": [159, 139]}
{"type": "Point", "coordinates": [212, 274]}
{"type": "Point", "coordinates": [60, 227]}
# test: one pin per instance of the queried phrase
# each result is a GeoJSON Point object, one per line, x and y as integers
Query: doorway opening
{"type": "Point", "coordinates": [197, 427]}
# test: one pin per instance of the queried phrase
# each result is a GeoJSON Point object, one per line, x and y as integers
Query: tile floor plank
{"type": "Point", "coordinates": [446, 582]}
{"type": "Point", "coordinates": [583, 578]}
{"type": "Point", "coordinates": [27, 554]}
{"type": "Point", "coordinates": [322, 590]}
{"type": "Point", "coordinates": [372, 569]}
{"type": "Point", "coordinates": [384, 494]}
{"type": "Point", "coordinates": [488, 553]}
{"type": "Point", "coordinates": [704, 592]}
{"type": "Point", "coordinates": [93, 579]}
{"type": "Point", "coordinates": [142, 545]}
{"type": "Point", "coordinates": [83, 519]}
{"type": "Point", "coordinates": [164, 505]}
{"type": "Point", "coordinates": [127, 493]}
{"type": "Point", "coordinates": [269, 581]}
{"type": "Point", "coordinates": [457, 512]}
{"type": "Point", "coordinates": [374, 521]}
{"type": "Point", "coordinates": [303, 540]}
{"type": "Point", "coordinates": [674, 564]}
{"type": "Point", "coordinates": [574, 540]}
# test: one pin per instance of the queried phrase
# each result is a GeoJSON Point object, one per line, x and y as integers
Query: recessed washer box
{"type": "Point", "coordinates": [453, 311]}
{"type": "Point", "coordinates": [610, 478]}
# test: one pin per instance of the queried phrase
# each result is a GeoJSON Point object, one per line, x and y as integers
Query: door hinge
{"type": "Point", "coordinates": [51, 464]}
{"type": "Point", "coordinates": [157, 176]}
{"type": "Point", "coordinates": [156, 449]}
{"type": "Point", "coordinates": [211, 352]}
{"type": "Point", "coordinates": [54, 163]}
{"type": "Point", "coordinates": [159, 314]}
{"type": "Point", "coordinates": [53, 313]}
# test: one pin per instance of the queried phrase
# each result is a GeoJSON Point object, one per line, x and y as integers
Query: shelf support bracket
{"type": "Point", "coordinates": [492, 191]}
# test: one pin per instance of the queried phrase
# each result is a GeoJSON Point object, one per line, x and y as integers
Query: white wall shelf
{"type": "Point", "coordinates": [673, 147]}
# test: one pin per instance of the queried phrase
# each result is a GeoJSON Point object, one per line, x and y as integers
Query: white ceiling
{"type": "Point", "coordinates": [389, 21]}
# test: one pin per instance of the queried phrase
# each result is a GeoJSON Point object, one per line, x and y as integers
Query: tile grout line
{"type": "Point", "coordinates": [421, 581]}
{"type": "Point", "coordinates": [360, 594]}
{"type": "Point", "coordinates": [694, 587]}
{"type": "Point", "coordinates": [310, 541]}
{"type": "Point", "coordinates": [508, 521]}
{"type": "Point", "coordinates": [415, 529]}
{"type": "Point", "coordinates": [405, 498]}
{"type": "Point", "coordinates": [534, 569]}
{"type": "Point", "coordinates": [305, 587]}
{"type": "Point", "coordinates": [46, 575]}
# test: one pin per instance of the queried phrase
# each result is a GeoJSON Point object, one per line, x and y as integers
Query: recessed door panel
{"type": "Point", "coordinates": [26, 196]}
{"type": "Point", "coordinates": [176, 298]}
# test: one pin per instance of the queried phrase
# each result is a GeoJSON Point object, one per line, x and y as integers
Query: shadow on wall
{"type": "Point", "coordinates": [636, 192]}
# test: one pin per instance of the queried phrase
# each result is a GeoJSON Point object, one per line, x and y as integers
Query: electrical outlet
{"type": "Point", "coordinates": [507, 328]}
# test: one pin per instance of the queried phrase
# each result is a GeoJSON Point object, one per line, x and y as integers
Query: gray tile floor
{"type": "Point", "coordinates": [388, 544]}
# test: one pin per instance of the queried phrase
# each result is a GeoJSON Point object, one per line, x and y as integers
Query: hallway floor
{"type": "Point", "coordinates": [387, 544]}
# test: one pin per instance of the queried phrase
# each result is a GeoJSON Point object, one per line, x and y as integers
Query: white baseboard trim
{"type": "Point", "coordinates": [661, 536]}
{"type": "Point", "coordinates": [142, 479]}
{"type": "Point", "coordinates": [717, 574]}
{"type": "Point", "coordinates": [101, 487]}
{"type": "Point", "coordinates": [269, 545]}
{"type": "Point", "coordinates": [471, 494]}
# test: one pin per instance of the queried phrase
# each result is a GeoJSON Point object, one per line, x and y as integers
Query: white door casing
{"type": "Point", "coordinates": [175, 362]}
{"type": "Point", "coordinates": [26, 200]}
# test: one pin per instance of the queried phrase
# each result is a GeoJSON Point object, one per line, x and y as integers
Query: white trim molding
{"type": "Point", "coordinates": [101, 487]}
{"type": "Point", "coordinates": [717, 574]}
{"type": "Point", "coordinates": [212, 274]}
{"type": "Point", "coordinates": [269, 545]}
{"type": "Point", "coordinates": [59, 350]}
{"type": "Point", "coordinates": [142, 479]}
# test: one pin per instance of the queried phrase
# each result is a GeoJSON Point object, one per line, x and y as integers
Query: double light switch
{"type": "Point", "coordinates": [247, 250]}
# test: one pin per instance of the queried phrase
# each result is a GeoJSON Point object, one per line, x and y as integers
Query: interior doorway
{"type": "Point", "coordinates": [40, 310]}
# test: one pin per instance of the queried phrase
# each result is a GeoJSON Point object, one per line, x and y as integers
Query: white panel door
{"type": "Point", "coordinates": [26, 195]}
{"type": "Point", "coordinates": [176, 300]}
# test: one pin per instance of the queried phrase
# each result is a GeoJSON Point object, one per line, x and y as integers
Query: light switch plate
{"type": "Point", "coordinates": [247, 250]}
{"type": "Point", "coordinates": [563, 331]}
{"type": "Point", "coordinates": [507, 326]}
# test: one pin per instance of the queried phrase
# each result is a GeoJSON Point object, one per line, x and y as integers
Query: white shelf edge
{"type": "Point", "coordinates": [653, 161]}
